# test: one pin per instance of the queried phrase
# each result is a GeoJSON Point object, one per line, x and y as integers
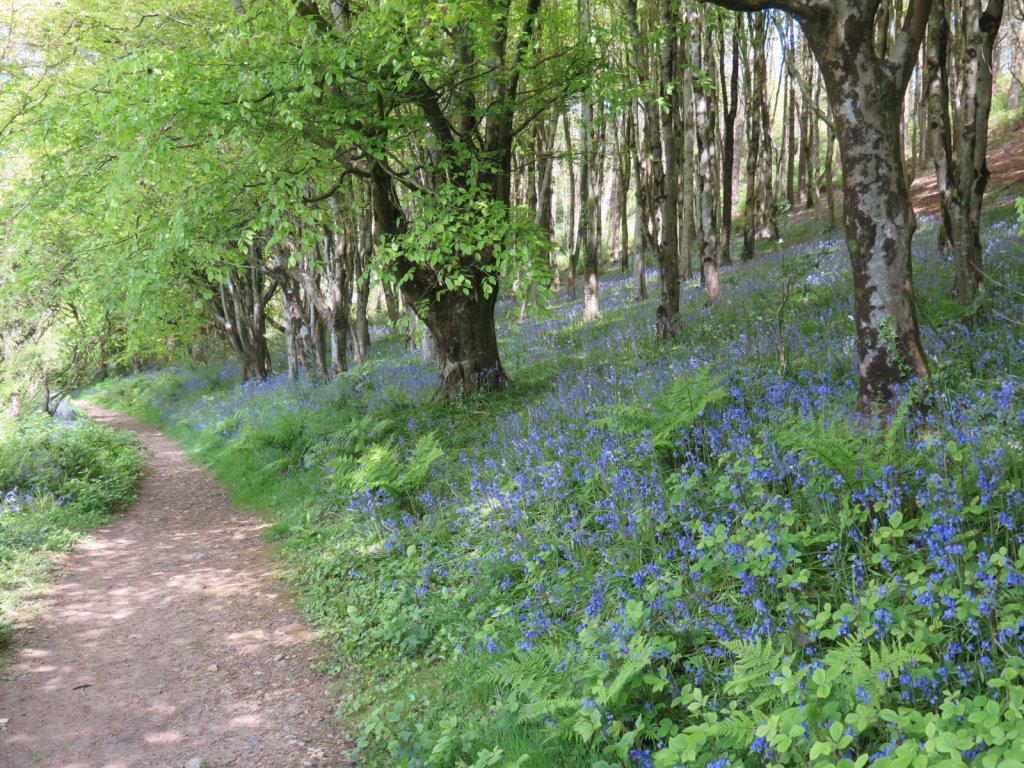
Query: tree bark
{"type": "Point", "coordinates": [730, 106]}
{"type": "Point", "coordinates": [754, 85]}
{"type": "Point", "coordinates": [668, 253]}
{"type": "Point", "coordinates": [590, 188]}
{"type": "Point", "coordinates": [572, 241]}
{"type": "Point", "coordinates": [704, 125]}
{"type": "Point", "coordinates": [865, 91]}
{"type": "Point", "coordinates": [981, 28]}
{"type": "Point", "coordinates": [238, 310]}
{"type": "Point", "coordinates": [361, 280]}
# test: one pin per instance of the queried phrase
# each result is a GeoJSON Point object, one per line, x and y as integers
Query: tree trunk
{"type": "Point", "coordinates": [962, 174]}
{"type": "Point", "coordinates": [590, 186]}
{"type": "Point", "coordinates": [866, 94]}
{"type": "Point", "coordinates": [730, 105]}
{"type": "Point", "coordinates": [865, 91]}
{"type": "Point", "coordinates": [981, 28]}
{"type": "Point", "coordinates": [462, 328]}
{"type": "Point", "coordinates": [753, 85]}
{"type": "Point", "coordinates": [791, 144]}
{"type": "Point", "coordinates": [572, 240]}
{"type": "Point", "coordinates": [830, 175]}
{"type": "Point", "coordinates": [238, 310]}
{"type": "Point", "coordinates": [688, 202]}
{"type": "Point", "coordinates": [767, 211]}
{"type": "Point", "coordinates": [1016, 68]}
{"type": "Point", "coordinates": [668, 253]}
{"type": "Point", "coordinates": [361, 278]}
{"type": "Point", "coordinates": [704, 126]}
{"type": "Point", "coordinates": [640, 232]}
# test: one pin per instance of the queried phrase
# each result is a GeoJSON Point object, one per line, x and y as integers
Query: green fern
{"type": "Point", "coordinates": [735, 729]}
{"type": "Point", "coordinates": [383, 468]}
{"type": "Point", "coordinates": [531, 676]}
{"type": "Point", "coordinates": [895, 434]}
{"type": "Point", "coordinates": [666, 414]}
{"type": "Point", "coordinates": [640, 649]}
{"type": "Point", "coordinates": [829, 445]}
{"type": "Point", "coordinates": [755, 663]}
{"type": "Point", "coordinates": [872, 675]}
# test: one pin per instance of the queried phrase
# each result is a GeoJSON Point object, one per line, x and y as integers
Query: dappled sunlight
{"type": "Point", "coordinates": [163, 737]}
{"type": "Point", "coordinates": [166, 638]}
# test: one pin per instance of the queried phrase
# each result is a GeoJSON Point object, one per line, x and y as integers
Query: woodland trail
{"type": "Point", "coordinates": [168, 637]}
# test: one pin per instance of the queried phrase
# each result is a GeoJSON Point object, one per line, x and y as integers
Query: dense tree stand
{"type": "Point", "coordinates": [865, 82]}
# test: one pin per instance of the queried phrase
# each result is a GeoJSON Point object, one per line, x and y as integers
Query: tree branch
{"type": "Point", "coordinates": [787, 58]}
{"type": "Point", "coordinates": [903, 57]}
{"type": "Point", "coordinates": [308, 9]}
{"type": "Point", "coordinates": [799, 8]}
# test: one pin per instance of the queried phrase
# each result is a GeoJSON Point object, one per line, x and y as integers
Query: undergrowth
{"type": "Point", "coordinates": [687, 554]}
{"type": "Point", "coordinates": [59, 477]}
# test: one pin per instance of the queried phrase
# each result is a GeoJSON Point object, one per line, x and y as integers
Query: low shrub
{"type": "Point", "coordinates": [58, 479]}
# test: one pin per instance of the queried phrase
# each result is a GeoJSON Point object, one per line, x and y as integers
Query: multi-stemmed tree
{"type": "Point", "coordinates": [866, 75]}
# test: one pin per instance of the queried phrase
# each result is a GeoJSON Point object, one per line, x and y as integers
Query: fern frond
{"type": "Point", "coordinates": [734, 728]}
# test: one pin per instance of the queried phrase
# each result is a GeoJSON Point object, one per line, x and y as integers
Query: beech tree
{"type": "Point", "coordinates": [866, 82]}
{"type": "Point", "coordinates": [961, 169]}
{"type": "Point", "coordinates": [454, 85]}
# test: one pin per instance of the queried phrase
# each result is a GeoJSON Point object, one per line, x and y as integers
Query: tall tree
{"type": "Point", "coordinates": [453, 84]}
{"type": "Point", "coordinates": [962, 172]}
{"type": "Point", "coordinates": [705, 124]}
{"type": "Point", "coordinates": [730, 105]}
{"type": "Point", "coordinates": [590, 188]}
{"type": "Point", "coordinates": [865, 83]}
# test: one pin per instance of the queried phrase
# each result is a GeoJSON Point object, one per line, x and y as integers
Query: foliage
{"type": "Point", "coordinates": [456, 226]}
{"type": "Point", "coordinates": [650, 556]}
{"type": "Point", "coordinates": [58, 478]}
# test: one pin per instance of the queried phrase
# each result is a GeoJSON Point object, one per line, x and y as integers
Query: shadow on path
{"type": "Point", "coordinates": [167, 637]}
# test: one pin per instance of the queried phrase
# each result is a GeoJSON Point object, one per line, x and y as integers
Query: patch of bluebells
{"type": "Point", "coordinates": [14, 500]}
{"type": "Point", "coordinates": [560, 532]}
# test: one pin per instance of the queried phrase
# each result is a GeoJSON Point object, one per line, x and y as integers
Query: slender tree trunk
{"type": "Point", "coordinates": [668, 253]}
{"type": "Point", "coordinates": [590, 188]}
{"type": "Point", "coordinates": [1016, 67]}
{"type": "Point", "coordinates": [361, 280]}
{"type": "Point", "coordinates": [767, 210]}
{"type": "Point", "coordinates": [572, 243]}
{"type": "Point", "coordinates": [688, 201]}
{"type": "Point", "coordinates": [623, 161]}
{"type": "Point", "coordinates": [962, 173]}
{"type": "Point", "coordinates": [940, 133]}
{"type": "Point", "coordinates": [238, 310]}
{"type": "Point", "coordinates": [753, 83]}
{"type": "Point", "coordinates": [830, 175]}
{"type": "Point", "coordinates": [730, 105]}
{"type": "Point", "coordinates": [981, 29]}
{"type": "Point", "coordinates": [704, 125]}
{"type": "Point", "coordinates": [791, 144]}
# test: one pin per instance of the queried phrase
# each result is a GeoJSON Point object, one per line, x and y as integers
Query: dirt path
{"type": "Point", "coordinates": [167, 638]}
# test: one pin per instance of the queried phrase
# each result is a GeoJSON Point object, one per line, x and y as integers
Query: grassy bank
{"type": "Point", "coordinates": [59, 477]}
{"type": "Point", "coordinates": [657, 554]}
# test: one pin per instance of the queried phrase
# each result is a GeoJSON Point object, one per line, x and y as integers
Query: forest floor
{"type": "Point", "coordinates": [1005, 163]}
{"type": "Point", "coordinates": [168, 640]}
